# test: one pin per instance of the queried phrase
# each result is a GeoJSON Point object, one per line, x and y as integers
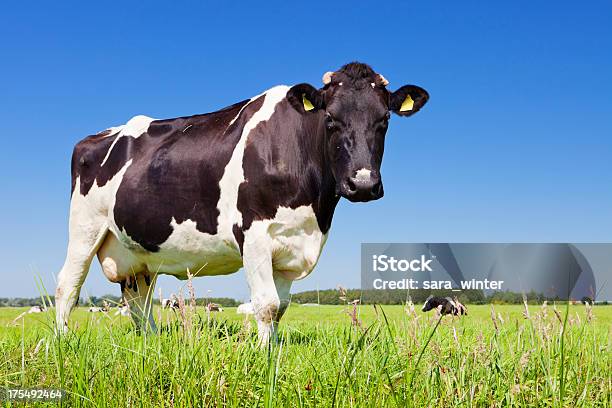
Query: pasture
{"type": "Point", "coordinates": [325, 357]}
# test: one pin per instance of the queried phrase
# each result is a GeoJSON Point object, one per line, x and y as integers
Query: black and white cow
{"type": "Point", "coordinates": [253, 185]}
{"type": "Point", "coordinates": [444, 305]}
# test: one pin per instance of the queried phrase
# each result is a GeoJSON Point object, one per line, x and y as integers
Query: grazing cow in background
{"type": "Point", "coordinates": [444, 305]}
{"type": "Point", "coordinates": [253, 185]}
{"type": "Point", "coordinates": [245, 308]}
{"type": "Point", "coordinates": [97, 309]}
{"type": "Point", "coordinates": [122, 310]}
{"type": "Point", "coordinates": [213, 307]}
{"type": "Point", "coordinates": [37, 309]}
{"type": "Point", "coordinates": [171, 303]}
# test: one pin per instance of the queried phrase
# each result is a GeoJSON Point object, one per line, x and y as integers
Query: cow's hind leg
{"type": "Point", "coordinates": [85, 236]}
{"type": "Point", "coordinates": [138, 291]}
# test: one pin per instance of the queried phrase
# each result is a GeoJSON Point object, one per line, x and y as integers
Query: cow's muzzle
{"type": "Point", "coordinates": [364, 185]}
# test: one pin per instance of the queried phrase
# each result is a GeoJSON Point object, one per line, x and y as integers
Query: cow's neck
{"type": "Point", "coordinates": [327, 198]}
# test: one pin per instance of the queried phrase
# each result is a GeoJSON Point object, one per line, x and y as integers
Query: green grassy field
{"type": "Point", "coordinates": [320, 359]}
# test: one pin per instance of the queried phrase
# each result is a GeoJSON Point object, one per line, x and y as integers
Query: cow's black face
{"type": "Point", "coordinates": [354, 109]}
{"type": "Point", "coordinates": [356, 119]}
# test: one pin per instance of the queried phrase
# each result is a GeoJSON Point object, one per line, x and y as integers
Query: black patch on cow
{"type": "Point", "coordinates": [159, 129]}
{"type": "Point", "coordinates": [176, 175]}
{"type": "Point", "coordinates": [239, 236]}
{"type": "Point", "coordinates": [285, 165]}
{"type": "Point", "coordinates": [87, 157]}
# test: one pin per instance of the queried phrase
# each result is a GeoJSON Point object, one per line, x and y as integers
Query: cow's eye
{"type": "Point", "coordinates": [329, 122]}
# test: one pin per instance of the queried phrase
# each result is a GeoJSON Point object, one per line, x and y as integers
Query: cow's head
{"type": "Point", "coordinates": [354, 106]}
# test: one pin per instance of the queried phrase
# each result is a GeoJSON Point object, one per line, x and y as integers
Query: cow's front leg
{"type": "Point", "coordinates": [257, 260]}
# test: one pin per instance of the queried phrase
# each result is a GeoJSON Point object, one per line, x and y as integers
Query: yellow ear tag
{"type": "Point", "coordinates": [407, 105]}
{"type": "Point", "coordinates": [307, 104]}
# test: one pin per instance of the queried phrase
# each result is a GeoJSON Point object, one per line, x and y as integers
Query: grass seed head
{"type": "Point", "coordinates": [494, 319]}
{"type": "Point", "coordinates": [525, 359]}
{"type": "Point", "coordinates": [589, 312]}
{"type": "Point", "coordinates": [410, 310]}
{"type": "Point", "coordinates": [557, 314]}
{"type": "Point", "coordinates": [525, 308]}
{"type": "Point", "coordinates": [191, 291]}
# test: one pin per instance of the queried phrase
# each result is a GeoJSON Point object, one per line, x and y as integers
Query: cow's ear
{"type": "Point", "coordinates": [305, 98]}
{"type": "Point", "coordinates": [408, 100]}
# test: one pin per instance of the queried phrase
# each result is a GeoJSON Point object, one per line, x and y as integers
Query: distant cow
{"type": "Point", "coordinates": [123, 310]}
{"type": "Point", "coordinates": [445, 305]}
{"type": "Point", "coordinates": [213, 307]}
{"type": "Point", "coordinates": [253, 185]}
{"type": "Point", "coordinates": [171, 303]}
{"type": "Point", "coordinates": [245, 308]}
{"type": "Point", "coordinates": [97, 309]}
{"type": "Point", "coordinates": [37, 309]}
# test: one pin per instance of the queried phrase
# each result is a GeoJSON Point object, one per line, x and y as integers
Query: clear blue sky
{"type": "Point", "coordinates": [514, 145]}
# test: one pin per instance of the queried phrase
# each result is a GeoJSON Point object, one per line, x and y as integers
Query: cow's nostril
{"type": "Point", "coordinates": [376, 189]}
{"type": "Point", "coordinates": [351, 186]}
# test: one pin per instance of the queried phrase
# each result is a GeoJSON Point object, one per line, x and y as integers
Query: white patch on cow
{"type": "Point", "coordinates": [292, 239]}
{"type": "Point", "coordinates": [240, 112]}
{"type": "Point", "coordinates": [200, 253]}
{"type": "Point", "coordinates": [296, 241]}
{"type": "Point", "coordinates": [276, 252]}
{"type": "Point", "coordinates": [233, 174]}
{"type": "Point", "coordinates": [135, 127]}
{"type": "Point", "coordinates": [112, 131]}
{"type": "Point", "coordinates": [186, 236]}
{"type": "Point", "coordinates": [363, 175]}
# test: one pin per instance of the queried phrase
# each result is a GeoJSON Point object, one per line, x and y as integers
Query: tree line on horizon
{"type": "Point", "coordinates": [111, 299]}
{"type": "Point", "coordinates": [335, 297]}
{"type": "Point", "coordinates": [400, 296]}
